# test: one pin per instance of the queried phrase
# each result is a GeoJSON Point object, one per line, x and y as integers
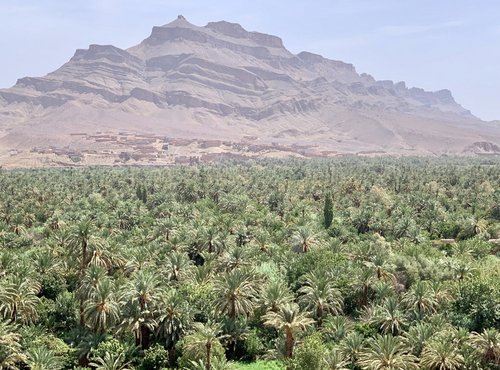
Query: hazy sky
{"type": "Point", "coordinates": [433, 44]}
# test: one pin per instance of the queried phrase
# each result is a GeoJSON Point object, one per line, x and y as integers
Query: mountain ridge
{"type": "Point", "coordinates": [222, 82]}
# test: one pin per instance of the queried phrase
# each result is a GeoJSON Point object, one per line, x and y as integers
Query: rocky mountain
{"type": "Point", "coordinates": [189, 93]}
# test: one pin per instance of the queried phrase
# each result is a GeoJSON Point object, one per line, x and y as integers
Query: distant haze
{"type": "Point", "coordinates": [430, 44]}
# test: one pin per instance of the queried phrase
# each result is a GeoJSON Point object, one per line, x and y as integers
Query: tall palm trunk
{"type": "Point", "coordinates": [289, 346]}
{"type": "Point", "coordinates": [82, 314]}
{"type": "Point", "coordinates": [209, 355]}
{"type": "Point", "coordinates": [144, 330]}
{"type": "Point", "coordinates": [232, 311]}
{"type": "Point", "coordinates": [144, 337]}
{"type": "Point", "coordinates": [83, 264]}
{"type": "Point", "coordinates": [83, 361]}
{"type": "Point", "coordinates": [172, 356]}
{"type": "Point", "coordinates": [289, 343]}
{"type": "Point", "coordinates": [305, 247]}
{"type": "Point", "coordinates": [364, 298]}
{"type": "Point", "coordinates": [319, 314]}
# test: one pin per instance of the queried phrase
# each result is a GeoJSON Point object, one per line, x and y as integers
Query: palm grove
{"type": "Point", "coordinates": [327, 264]}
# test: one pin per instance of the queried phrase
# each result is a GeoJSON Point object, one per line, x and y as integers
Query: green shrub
{"type": "Point", "coordinates": [310, 355]}
{"type": "Point", "coordinates": [477, 306]}
{"type": "Point", "coordinates": [253, 345]}
{"type": "Point", "coordinates": [53, 284]}
{"type": "Point", "coordinates": [155, 357]}
{"type": "Point", "coordinates": [64, 315]}
{"type": "Point", "coordinates": [112, 346]}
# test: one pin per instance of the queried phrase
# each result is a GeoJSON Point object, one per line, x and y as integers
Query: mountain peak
{"type": "Point", "coordinates": [180, 21]}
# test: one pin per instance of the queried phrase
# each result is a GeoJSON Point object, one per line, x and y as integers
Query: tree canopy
{"type": "Point", "coordinates": [346, 263]}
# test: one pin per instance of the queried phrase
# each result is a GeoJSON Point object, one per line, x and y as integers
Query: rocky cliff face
{"type": "Point", "coordinates": [221, 81]}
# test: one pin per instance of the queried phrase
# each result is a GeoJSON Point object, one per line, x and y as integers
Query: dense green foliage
{"type": "Point", "coordinates": [328, 210]}
{"type": "Point", "coordinates": [327, 264]}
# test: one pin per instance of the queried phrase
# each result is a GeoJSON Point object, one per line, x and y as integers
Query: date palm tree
{"type": "Point", "coordinates": [386, 353]}
{"type": "Point", "coordinates": [109, 362]}
{"type": "Point", "coordinates": [28, 219]}
{"type": "Point", "coordinates": [79, 239]}
{"type": "Point", "coordinates": [138, 259]}
{"type": "Point", "coordinates": [441, 354]}
{"type": "Point", "coordinates": [18, 224]}
{"type": "Point", "coordinates": [335, 328]}
{"type": "Point", "coordinates": [60, 242]}
{"type": "Point", "coordinates": [8, 261]}
{"type": "Point", "coordinates": [177, 266]}
{"type": "Point", "coordinates": [441, 293]}
{"type": "Point", "coordinates": [383, 290]}
{"type": "Point", "coordinates": [212, 239]}
{"type": "Point", "coordinates": [101, 254]}
{"type": "Point", "coordinates": [389, 317]}
{"type": "Point", "coordinates": [101, 308]}
{"type": "Point", "coordinates": [471, 227]}
{"type": "Point", "coordinates": [380, 267]}
{"type": "Point", "coordinates": [175, 317]}
{"type": "Point", "coordinates": [18, 299]}
{"type": "Point", "coordinates": [167, 227]}
{"type": "Point", "coordinates": [140, 300]}
{"type": "Point", "coordinates": [320, 296]}
{"type": "Point", "coordinates": [204, 274]}
{"type": "Point", "coordinates": [334, 360]}
{"type": "Point", "coordinates": [262, 241]}
{"type": "Point", "coordinates": [418, 335]}
{"type": "Point", "coordinates": [45, 261]}
{"type": "Point", "coordinates": [351, 347]}
{"type": "Point", "coordinates": [40, 358]}
{"type": "Point", "coordinates": [55, 222]}
{"type": "Point", "coordinates": [84, 341]}
{"type": "Point", "coordinates": [11, 355]}
{"type": "Point", "coordinates": [303, 239]}
{"type": "Point", "coordinates": [178, 242]}
{"type": "Point", "coordinates": [88, 283]}
{"type": "Point", "coordinates": [202, 341]}
{"type": "Point", "coordinates": [488, 345]}
{"type": "Point", "coordinates": [236, 258]}
{"type": "Point", "coordinates": [290, 320]}
{"type": "Point", "coordinates": [420, 299]}
{"type": "Point", "coordinates": [365, 280]}
{"type": "Point", "coordinates": [274, 294]}
{"type": "Point", "coordinates": [235, 291]}
{"type": "Point", "coordinates": [235, 332]}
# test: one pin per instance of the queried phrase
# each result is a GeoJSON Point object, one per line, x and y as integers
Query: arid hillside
{"type": "Point", "coordinates": [189, 93]}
